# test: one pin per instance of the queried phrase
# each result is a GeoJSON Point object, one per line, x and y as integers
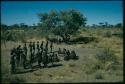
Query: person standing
{"type": "Point", "coordinates": [25, 50]}
{"type": "Point", "coordinates": [41, 46]}
{"type": "Point", "coordinates": [46, 47]}
{"type": "Point", "coordinates": [13, 63]}
{"type": "Point", "coordinates": [38, 48]}
{"type": "Point", "coordinates": [24, 60]}
{"type": "Point", "coordinates": [45, 58]}
{"type": "Point", "coordinates": [30, 47]}
{"type": "Point", "coordinates": [51, 46]}
{"type": "Point", "coordinates": [33, 47]}
{"type": "Point", "coordinates": [19, 51]}
{"type": "Point", "coordinates": [59, 51]}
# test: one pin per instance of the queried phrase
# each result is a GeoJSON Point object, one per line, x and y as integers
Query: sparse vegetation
{"type": "Point", "coordinates": [106, 55]}
{"type": "Point", "coordinates": [107, 34]}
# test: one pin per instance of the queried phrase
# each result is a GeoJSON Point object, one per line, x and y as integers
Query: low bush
{"type": "Point", "coordinates": [99, 75]}
{"type": "Point", "coordinates": [83, 39]}
{"type": "Point", "coordinates": [107, 34]}
{"type": "Point", "coordinates": [107, 59]}
{"type": "Point", "coordinates": [118, 34]}
{"type": "Point", "coordinates": [106, 55]}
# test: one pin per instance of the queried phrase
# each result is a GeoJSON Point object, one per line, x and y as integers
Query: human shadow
{"type": "Point", "coordinates": [48, 66]}
{"type": "Point", "coordinates": [25, 71]}
{"type": "Point", "coordinates": [55, 65]}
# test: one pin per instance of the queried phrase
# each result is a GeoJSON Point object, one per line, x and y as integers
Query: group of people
{"type": "Point", "coordinates": [39, 53]}
{"type": "Point", "coordinates": [67, 54]}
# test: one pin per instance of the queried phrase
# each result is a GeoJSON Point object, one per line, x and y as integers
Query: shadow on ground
{"type": "Point", "coordinates": [78, 40]}
{"type": "Point", "coordinates": [35, 68]}
{"type": "Point", "coordinates": [55, 65]}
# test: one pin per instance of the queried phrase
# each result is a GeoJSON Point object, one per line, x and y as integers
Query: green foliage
{"type": "Point", "coordinates": [12, 35]}
{"type": "Point", "coordinates": [62, 23]}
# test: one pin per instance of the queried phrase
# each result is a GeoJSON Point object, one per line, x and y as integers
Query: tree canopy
{"type": "Point", "coordinates": [62, 23]}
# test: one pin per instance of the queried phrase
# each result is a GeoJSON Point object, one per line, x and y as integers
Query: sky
{"type": "Point", "coordinates": [26, 11]}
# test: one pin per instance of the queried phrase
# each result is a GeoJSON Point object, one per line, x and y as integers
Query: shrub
{"type": "Point", "coordinates": [83, 39]}
{"type": "Point", "coordinates": [107, 60]}
{"type": "Point", "coordinates": [99, 76]}
{"type": "Point", "coordinates": [107, 34]}
{"type": "Point", "coordinates": [106, 55]}
{"type": "Point", "coordinates": [118, 34]}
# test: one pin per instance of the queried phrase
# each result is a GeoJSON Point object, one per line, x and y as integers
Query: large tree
{"type": "Point", "coordinates": [63, 23]}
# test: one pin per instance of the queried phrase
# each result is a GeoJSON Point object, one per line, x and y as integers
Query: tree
{"type": "Point", "coordinates": [15, 26]}
{"type": "Point", "coordinates": [23, 25]}
{"type": "Point", "coordinates": [70, 20]}
{"type": "Point", "coordinates": [119, 25]}
{"type": "Point", "coordinates": [106, 24]}
{"type": "Point", "coordinates": [101, 24]}
{"type": "Point", "coordinates": [64, 23]}
{"type": "Point", "coordinates": [4, 26]}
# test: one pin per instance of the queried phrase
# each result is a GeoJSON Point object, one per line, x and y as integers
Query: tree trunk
{"type": "Point", "coordinates": [65, 38]}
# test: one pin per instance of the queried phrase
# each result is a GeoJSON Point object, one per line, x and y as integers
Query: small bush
{"type": "Point", "coordinates": [107, 60]}
{"type": "Point", "coordinates": [112, 66]}
{"type": "Point", "coordinates": [107, 34]}
{"type": "Point", "coordinates": [106, 55]}
{"type": "Point", "coordinates": [118, 34]}
{"type": "Point", "coordinates": [99, 76]}
{"type": "Point", "coordinates": [83, 39]}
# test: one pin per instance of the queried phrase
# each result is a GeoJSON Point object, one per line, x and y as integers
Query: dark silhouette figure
{"type": "Point", "coordinates": [13, 63]}
{"type": "Point", "coordinates": [64, 51]}
{"type": "Point", "coordinates": [45, 58]}
{"type": "Point", "coordinates": [73, 55]}
{"type": "Point", "coordinates": [31, 60]}
{"type": "Point", "coordinates": [38, 48]}
{"type": "Point", "coordinates": [25, 50]}
{"type": "Point", "coordinates": [24, 60]}
{"type": "Point", "coordinates": [51, 59]}
{"type": "Point", "coordinates": [39, 58]}
{"type": "Point", "coordinates": [56, 58]}
{"type": "Point", "coordinates": [67, 55]}
{"type": "Point", "coordinates": [41, 46]}
{"type": "Point", "coordinates": [33, 47]}
{"type": "Point", "coordinates": [46, 47]}
{"type": "Point", "coordinates": [51, 46]}
{"type": "Point", "coordinates": [59, 51]}
{"type": "Point", "coordinates": [30, 47]}
{"type": "Point", "coordinates": [19, 51]}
